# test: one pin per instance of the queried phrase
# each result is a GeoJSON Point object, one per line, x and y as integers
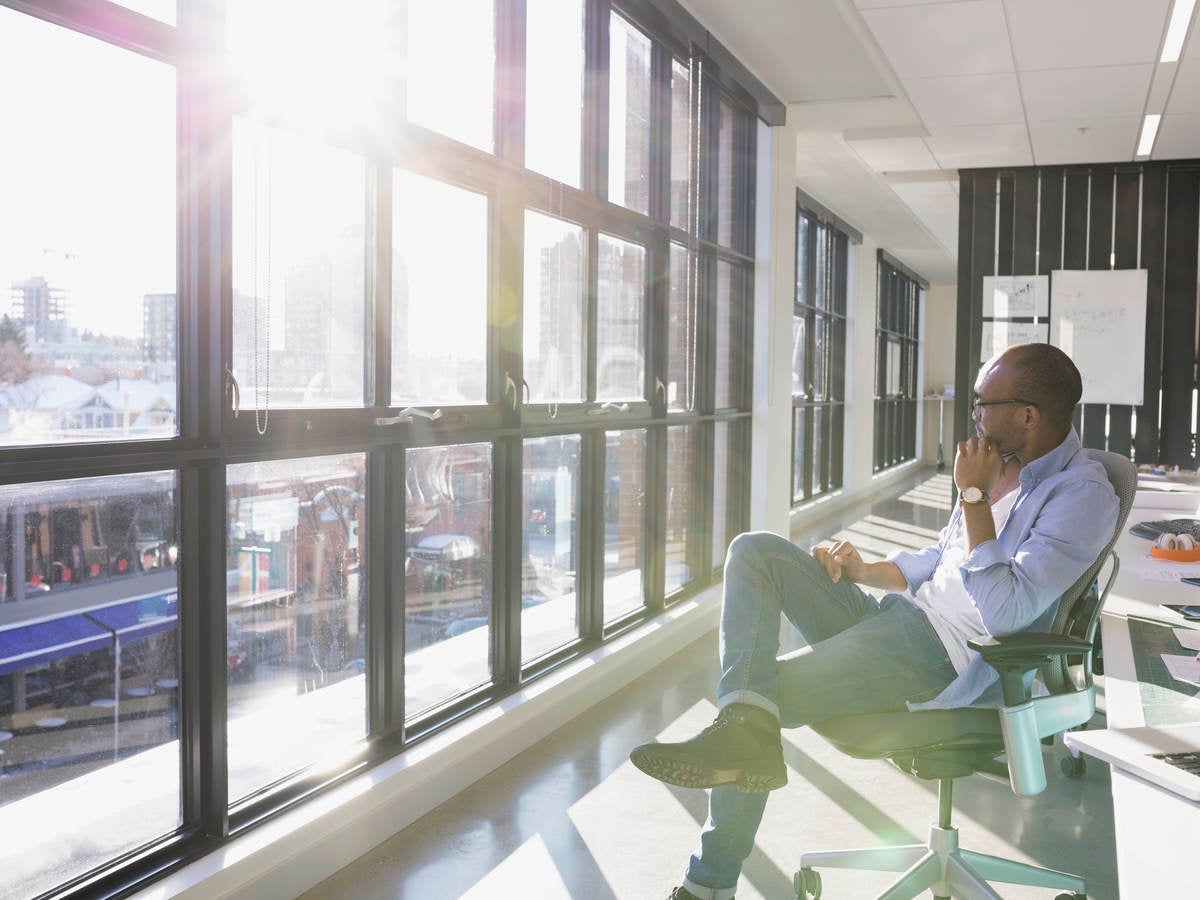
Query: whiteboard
{"type": "Point", "coordinates": [1098, 318]}
{"type": "Point", "coordinates": [1015, 296]}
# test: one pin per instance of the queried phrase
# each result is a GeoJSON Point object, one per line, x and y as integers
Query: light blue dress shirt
{"type": "Point", "coordinates": [1064, 515]}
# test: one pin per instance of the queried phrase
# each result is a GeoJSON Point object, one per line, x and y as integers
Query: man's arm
{"type": "Point", "coordinates": [843, 560]}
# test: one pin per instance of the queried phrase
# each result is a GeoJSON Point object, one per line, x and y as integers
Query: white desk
{"type": "Point", "coordinates": [1155, 828]}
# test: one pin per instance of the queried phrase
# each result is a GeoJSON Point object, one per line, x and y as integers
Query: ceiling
{"type": "Point", "coordinates": [889, 98]}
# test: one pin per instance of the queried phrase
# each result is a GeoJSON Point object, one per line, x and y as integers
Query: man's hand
{"type": "Point", "coordinates": [978, 464]}
{"type": "Point", "coordinates": [840, 559]}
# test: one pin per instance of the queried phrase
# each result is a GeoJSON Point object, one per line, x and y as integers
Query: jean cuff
{"type": "Point", "coordinates": [707, 893]}
{"type": "Point", "coordinates": [750, 699]}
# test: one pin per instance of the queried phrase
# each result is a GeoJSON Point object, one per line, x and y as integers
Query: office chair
{"type": "Point", "coordinates": [943, 745]}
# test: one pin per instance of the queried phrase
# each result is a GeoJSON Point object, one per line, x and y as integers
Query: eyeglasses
{"type": "Point", "coordinates": [978, 403]}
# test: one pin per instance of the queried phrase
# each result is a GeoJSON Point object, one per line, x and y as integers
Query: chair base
{"type": "Point", "coordinates": [943, 867]}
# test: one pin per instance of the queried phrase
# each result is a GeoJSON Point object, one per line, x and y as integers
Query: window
{"type": "Point", "coordinates": [818, 358]}
{"type": "Point", "coordinates": [554, 89]}
{"type": "Point", "coordinates": [87, 240]}
{"type": "Point", "coordinates": [411, 360]}
{"type": "Point", "coordinates": [897, 358]}
{"type": "Point", "coordinates": [296, 615]}
{"type": "Point", "coordinates": [448, 562]}
{"type": "Point", "coordinates": [439, 293]}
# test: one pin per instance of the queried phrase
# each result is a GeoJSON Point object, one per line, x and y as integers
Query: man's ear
{"type": "Point", "coordinates": [1033, 417]}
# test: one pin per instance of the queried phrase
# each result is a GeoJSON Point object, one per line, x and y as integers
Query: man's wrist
{"type": "Point", "coordinates": [972, 494]}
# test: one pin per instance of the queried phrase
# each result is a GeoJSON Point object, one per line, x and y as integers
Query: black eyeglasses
{"type": "Point", "coordinates": [979, 403]}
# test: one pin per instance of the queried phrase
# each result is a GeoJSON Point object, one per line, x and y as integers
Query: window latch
{"type": "Point", "coordinates": [408, 414]}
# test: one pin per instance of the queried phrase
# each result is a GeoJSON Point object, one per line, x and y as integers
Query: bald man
{"type": "Point", "coordinates": [1034, 512]}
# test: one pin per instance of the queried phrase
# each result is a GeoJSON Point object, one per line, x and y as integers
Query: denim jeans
{"type": "Point", "coordinates": [863, 656]}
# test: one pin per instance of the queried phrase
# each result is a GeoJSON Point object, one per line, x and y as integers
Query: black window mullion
{"type": "Point", "coordinates": [508, 530]}
{"type": "Point", "coordinates": [596, 18]}
{"type": "Point", "coordinates": [509, 80]}
{"type": "Point", "coordinates": [386, 602]}
{"type": "Point", "coordinates": [589, 576]}
{"type": "Point", "coordinates": [378, 340]}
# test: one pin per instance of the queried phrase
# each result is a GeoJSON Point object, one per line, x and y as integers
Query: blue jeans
{"type": "Point", "coordinates": [863, 656]}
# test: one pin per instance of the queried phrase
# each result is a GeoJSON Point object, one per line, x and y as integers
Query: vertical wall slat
{"type": "Point", "coordinates": [1025, 222]}
{"type": "Point", "coordinates": [1004, 228]}
{"type": "Point", "coordinates": [1183, 207]}
{"type": "Point", "coordinates": [1050, 221]}
{"type": "Point", "coordinates": [977, 206]}
{"type": "Point", "coordinates": [1154, 204]}
{"type": "Point", "coordinates": [1120, 418]}
{"type": "Point", "coordinates": [1099, 255]}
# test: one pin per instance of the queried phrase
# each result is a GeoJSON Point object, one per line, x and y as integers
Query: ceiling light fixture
{"type": "Point", "coordinates": [1149, 132]}
{"type": "Point", "coordinates": [1181, 18]}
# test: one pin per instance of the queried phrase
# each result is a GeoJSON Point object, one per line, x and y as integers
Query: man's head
{"type": "Point", "coordinates": [1025, 397]}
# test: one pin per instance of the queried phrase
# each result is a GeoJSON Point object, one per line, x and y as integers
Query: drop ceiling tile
{"type": "Point", "coordinates": [976, 146]}
{"type": "Point", "coordinates": [1178, 138]}
{"type": "Point", "coordinates": [1191, 46]}
{"type": "Point", "coordinates": [1074, 34]}
{"type": "Point", "coordinates": [966, 99]}
{"type": "Point", "coordinates": [895, 154]}
{"type": "Point", "coordinates": [1185, 93]}
{"type": "Point", "coordinates": [967, 38]}
{"type": "Point", "coordinates": [1084, 140]}
{"type": "Point", "coordinates": [936, 205]}
{"type": "Point", "coordinates": [1099, 92]}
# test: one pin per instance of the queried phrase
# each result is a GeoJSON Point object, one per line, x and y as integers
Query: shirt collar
{"type": "Point", "coordinates": [1054, 461]}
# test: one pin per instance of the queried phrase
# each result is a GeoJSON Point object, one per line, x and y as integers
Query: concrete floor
{"type": "Point", "coordinates": [572, 818]}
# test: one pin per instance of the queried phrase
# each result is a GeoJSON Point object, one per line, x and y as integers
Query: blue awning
{"type": "Point", "coordinates": [75, 633]}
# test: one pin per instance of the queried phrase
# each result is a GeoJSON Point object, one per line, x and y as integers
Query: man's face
{"type": "Point", "coordinates": [1000, 423]}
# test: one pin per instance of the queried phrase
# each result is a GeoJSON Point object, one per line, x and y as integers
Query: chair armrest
{"type": "Point", "coordinates": [1030, 648]}
{"type": "Point", "coordinates": [1015, 654]}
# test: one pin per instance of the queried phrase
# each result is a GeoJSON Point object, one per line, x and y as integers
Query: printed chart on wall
{"type": "Point", "coordinates": [1015, 311]}
{"type": "Point", "coordinates": [1098, 318]}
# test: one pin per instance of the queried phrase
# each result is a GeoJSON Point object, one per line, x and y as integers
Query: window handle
{"type": "Point", "coordinates": [660, 389]}
{"type": "Point", "coordinates": [603, 408]}
{"type": "Point", "coordinates": [510, 387]}
{"type": "Point", "coordinates": [408, 414]}
{"type": "Point", "coordinates": [234, 390]}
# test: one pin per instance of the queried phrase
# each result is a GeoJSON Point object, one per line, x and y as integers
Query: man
{"type": "Point", "coordinates": [1033, 514]}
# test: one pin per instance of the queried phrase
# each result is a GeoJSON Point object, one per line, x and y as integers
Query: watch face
{"type": "Point", "coordinates": [972, 495]}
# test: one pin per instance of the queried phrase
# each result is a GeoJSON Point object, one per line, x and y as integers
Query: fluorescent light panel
{"type": "Point", "coordinates": [1149, 132]}
{"type": "Point", "coordinates": [1181, 18]}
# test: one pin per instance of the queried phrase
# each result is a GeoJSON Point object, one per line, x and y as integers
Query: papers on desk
{"type": "Point", "coordinates": [1183, 668]}
{"type": "Point", "coordinates": [1188, 637]}
{"type": "Point", "coordinates": [1158, 570]}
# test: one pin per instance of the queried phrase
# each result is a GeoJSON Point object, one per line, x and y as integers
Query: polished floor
{"type": "Point", "coordinates": [572, 818]}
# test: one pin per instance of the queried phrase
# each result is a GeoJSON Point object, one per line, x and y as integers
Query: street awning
{"type": "Point", "coordinates": [24, 646]}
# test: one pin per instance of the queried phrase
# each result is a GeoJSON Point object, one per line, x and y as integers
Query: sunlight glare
{"type": "Point", "coordinates": [306, 64]}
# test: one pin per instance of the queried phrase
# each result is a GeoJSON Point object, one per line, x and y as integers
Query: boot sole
{"type": "Point", "coordinates": [689, 775]}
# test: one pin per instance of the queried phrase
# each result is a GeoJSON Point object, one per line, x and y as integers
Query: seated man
{"type": "Point", "coordinates": [1034, 513]}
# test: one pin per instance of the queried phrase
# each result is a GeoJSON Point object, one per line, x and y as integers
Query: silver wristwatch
{"type": "Point", "coordinates": [973, 495]}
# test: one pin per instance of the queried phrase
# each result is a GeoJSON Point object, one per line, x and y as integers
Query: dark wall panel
{"type": "Point", "coordinates": [1095, 217]}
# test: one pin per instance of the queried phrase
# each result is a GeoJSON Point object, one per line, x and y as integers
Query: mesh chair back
{"type": "Point", "coordinates": [1079, 609]}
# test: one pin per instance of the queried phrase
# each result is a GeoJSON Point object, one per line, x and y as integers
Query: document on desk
{"type": "Point", "coordinates": [1183, 668]}
{"type": "Point", "coordinates": [1162, 572]}
{"type": "Point", "coordinates": [1188, 638]}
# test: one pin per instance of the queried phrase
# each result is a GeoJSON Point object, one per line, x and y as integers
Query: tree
{"type": "Point", "coordinates": [15, 363]}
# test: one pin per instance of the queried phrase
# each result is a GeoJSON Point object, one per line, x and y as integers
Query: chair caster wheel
{"type": "Point", "coordinates": [807, 883]}
{"type": "Point", "coordinates": [1073, 766]}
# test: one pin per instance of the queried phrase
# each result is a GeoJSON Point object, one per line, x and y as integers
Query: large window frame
{"type": "Point", "coordinates": [898, 360]}
{"type": "Point", "coordinates": [818, 357]}
{"type": "Point", "coordinates": [214, 434]}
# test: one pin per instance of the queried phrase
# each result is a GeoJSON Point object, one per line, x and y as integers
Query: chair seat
{"type": "Point", "coordinates": [882, 735]}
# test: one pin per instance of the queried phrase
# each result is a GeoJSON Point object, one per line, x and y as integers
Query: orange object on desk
{"type": "Point", "coordinates": [1176, 555]}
